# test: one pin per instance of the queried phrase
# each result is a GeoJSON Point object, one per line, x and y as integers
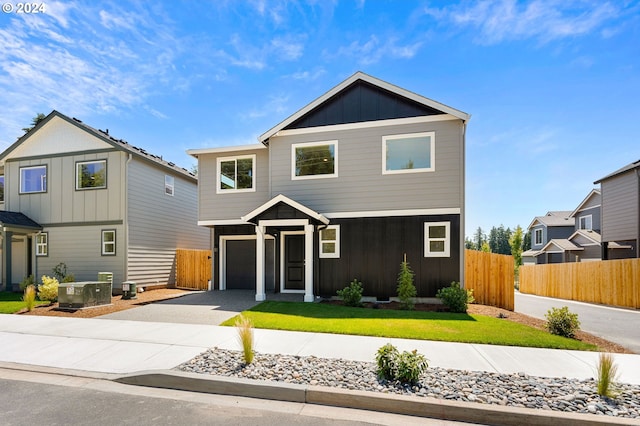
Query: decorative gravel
{"type": "Point", "coordinates": [516, 390]}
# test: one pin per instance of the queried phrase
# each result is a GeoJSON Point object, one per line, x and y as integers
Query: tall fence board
{"type": "Point", "coordinates": [491, 277]}
{"type": "Point", "coordinates": [608, 282]}
{"type": "Point", "coordinates": [193, 269]}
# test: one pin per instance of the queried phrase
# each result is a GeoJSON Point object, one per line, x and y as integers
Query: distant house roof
{"type": "Point", "coordinates": [104, 136]}
{"type": "Point", "coordinates": [634, 165]}
{"type": "Point", "coordinates": [360, 76]}
{"type": "Point", "coordinates": [588, 234]}
{"type": "Point", "coordinates": [560, 244]}
{"type": "Point", "coordinates": [595, 193]}
{"type": "Point", "coordinates": [554, 218]}
{"type": "Point", "coordinates": [17, 219]}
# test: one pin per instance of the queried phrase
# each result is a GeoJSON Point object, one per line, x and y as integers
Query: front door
{"type": "Point", "coordinates": [293, 262]}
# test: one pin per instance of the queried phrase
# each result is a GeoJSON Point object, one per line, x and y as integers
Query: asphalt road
{"type": "Point", "coordinates": [617, 325]}
{"type": "Point", "coordinates": [33, 399]}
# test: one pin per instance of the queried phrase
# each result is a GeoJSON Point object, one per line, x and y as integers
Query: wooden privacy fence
{"type": "Point", "coordinates": [608, 282]}
{"type": "Point", "coordinates": [193, 269]}
{"type": "Point", "coordinates": [491, 277]}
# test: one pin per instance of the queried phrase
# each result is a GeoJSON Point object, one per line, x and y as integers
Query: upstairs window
{"type": "Point", "coordinates": [585, 223]}
{"type": "Point", "coordinates": [537, 237]}
{"type": "Point", "coordinates": [236, 174]}
{"type": "Point", "coordinates": [169, 182]}
{"type": "Point", "coordinates": [33, 179]}
{"type": "Point", "coordinates": [314, 160]}
{"type": "Point", "coordinates": [437, 239]}
{"type": "Point", "coordinates": [1, 188]}
{"type": "Point", "coordinates": [91, 174]}
{"type": "Point", "coordinates": [330, 242]}
{"type": "Point", "coordinates": [409, 153]}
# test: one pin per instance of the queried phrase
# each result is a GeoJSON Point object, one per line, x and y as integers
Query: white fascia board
{"type": "Point", "coordinates": [217, 222]}
{"type": "Point", "coordinates": [201, 151]}
{"type": "Point", "coordinates": [369, 79]}
{"type": "Point", "coordinates": [365, 125]}
{"type": "Point", "coordinates": [388, 213]}
{"type": "Point", "coordinates": [282, 198]}
{"type": "Point", "coordinates": [579, 208]}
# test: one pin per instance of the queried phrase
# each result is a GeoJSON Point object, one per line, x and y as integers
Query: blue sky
{"type": "Point", "coordinates": [553, 86]}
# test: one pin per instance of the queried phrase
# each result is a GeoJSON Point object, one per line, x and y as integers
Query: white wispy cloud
{"type": "Point", "coordinates": [276, 105]}
{"type": "Point", "coordinates": [372, 50]}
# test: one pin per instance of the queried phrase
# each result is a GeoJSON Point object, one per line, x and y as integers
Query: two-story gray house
{"type": "Point", "coordinates": [621, 212]}
{"type": "Point", "coordinates": [342, 189]}
{"type": "Point", "coordinates": [75, 194]}
{"type": "Point", "coordinates": [545, 230]}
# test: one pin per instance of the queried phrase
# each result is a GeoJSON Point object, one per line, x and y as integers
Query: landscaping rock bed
{"type": "Point", "coordinates": [517, 390]}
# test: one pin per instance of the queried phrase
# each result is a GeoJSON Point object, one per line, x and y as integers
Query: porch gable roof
{"type": "Point", "coordinates": [264, 208]}
{"type": "Point", "coordinates": [18, 220]}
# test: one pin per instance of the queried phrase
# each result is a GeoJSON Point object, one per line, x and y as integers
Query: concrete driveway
{"type": "Point", "coordinates": [203, 307]}
{"type": "Point", "coordinates": [617, 325]}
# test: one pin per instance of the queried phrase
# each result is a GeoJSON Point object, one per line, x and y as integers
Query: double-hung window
{"type": "Point", "coordinates": [33, 179]}
{"type": "Point", "coordinates": [437, 239]}
{"type": "Point", "coordinates": [42, 244]}
{"type": "Point", "coordinates": [314, 160]}
{"type": "Point", "coordinates": [410, 153]}
{"type": "Point", "coordinates": [91, 174]}
{"type": "Point", "coordinates": [169, 185]}
{"type": "Point", "coordinates": [236, 174]}
{"type": "Point", "coordinates": [585, 222]}
{"type": "Point", "coordinates": [537, 237]}
{"type": "Point", "coordinates": [330, 242]}
{"type": "Point", "coordinates": [109, 242]}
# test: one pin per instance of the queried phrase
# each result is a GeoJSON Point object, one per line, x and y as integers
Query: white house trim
{"type": "Point", "coordinates": [217, 222]}
{"type": "Point", "coordinates": [200, 151]}
{"type": "Point", "coordinates": [282, 261]}
{"type": "Point", "coordinates": [387, 213]}
{"type": "Point", "coordinates": [281, 198]}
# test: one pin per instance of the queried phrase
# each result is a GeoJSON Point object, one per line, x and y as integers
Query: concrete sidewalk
{"type": "Point", "coordinates": [119, 347]}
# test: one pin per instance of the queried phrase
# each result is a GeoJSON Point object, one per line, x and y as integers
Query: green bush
{"type": "Point", "coordinates": [352, 294]}
{"type": "Point", "coordinates": [406, 288]}
{"type": "Point", "coordinates": [26, 282]}
{"type": "Point", "coordinates": [69, 278]}
{"type": "Point", "coordinates": [60, 273]}
{"type": "Point", "coordinates": [562, 322]}
{"type": "Point", "coordinates": [406, 367]}
{"type": "Point", "coordinates": [48, 290]}
{"type": "Point", "coordinates": [455, 297]}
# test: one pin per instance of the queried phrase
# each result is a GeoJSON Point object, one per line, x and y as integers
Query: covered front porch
{"type": "Point", "coordinates": [18, 234]}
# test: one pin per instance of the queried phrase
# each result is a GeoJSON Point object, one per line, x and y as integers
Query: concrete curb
{"type": "Point", "coordinates": [372, 401]}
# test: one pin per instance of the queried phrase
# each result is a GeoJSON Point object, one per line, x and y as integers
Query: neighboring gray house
{"type": "Point", "coordinates": [74, 194]}
{"type": "Point", "coordinates": [555, 225]}
{"type": "Point", "coordinates": [340, 190]}
{"type": "Point", "coordinates": [621, 212]}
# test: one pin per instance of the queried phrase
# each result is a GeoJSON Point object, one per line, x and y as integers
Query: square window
{"type": "Point", "coordinates": [33, 179]}
{"type": "Point", "coordinates": [109, 242]}
{"type": "Point", "coordinates": [409, 153]}
{"type": "Point", "coordinates": [330, 242]}
{"type": "Point", "coordinates": [42, 244]}
{"type": "Point", "coordinates": [314, 160]}
{"type": "Point", "coordinates": [169, 182]}
{"type": "Point", "coordinates": [91, 174]}
{"type": "Point", "coordinates": [437, 239]}
{"type": "Point", "coordinates": [236, 174]}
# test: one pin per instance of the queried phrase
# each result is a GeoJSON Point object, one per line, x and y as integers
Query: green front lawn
{"type": "Point", "coordinates": [12, 302]}
{"type": "Point", "coordinates": [326, 318]}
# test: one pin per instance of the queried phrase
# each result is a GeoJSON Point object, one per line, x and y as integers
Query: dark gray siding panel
{"type": "Point", "coordinates": [620, 207]}
{"type": "Point", "coordinates": [594, 212]}
{"type": "Point", "coordinates": [559, 232]}
{"type": "Point", "coordinates": [371, 250]}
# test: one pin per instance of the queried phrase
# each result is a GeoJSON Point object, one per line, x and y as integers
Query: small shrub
{"type": "Point", "coordinates": [48, 290]}
{"type": "Point", "coordinates": [562, 322]}
{"type": "Point", "coordinates": [607, 375]}
{"type": "Point", "coordinates": [352, 294]}
{"type": "Point", "coordinates": [455, 297]}
{"type": "Point", "coordinates": [69, 278]}
{"type": "Point", "coordinates": [406, 367]}
{"type": "Point", "coordinates": [245, 338]}
{"type": "Point", "coordinates": [385, 358]}
{"type": "Point", "coordinates": [60, 271]}
{"type": "Point", "coordinates": [29, 297]}
{"type": "Point", "coordinates": [26, 282]}
{"type": "Point", "coordinates": [406, 288]}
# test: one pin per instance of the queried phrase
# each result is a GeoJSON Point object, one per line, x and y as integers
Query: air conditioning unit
{"type": "Point", "coordinates": [84, 294]}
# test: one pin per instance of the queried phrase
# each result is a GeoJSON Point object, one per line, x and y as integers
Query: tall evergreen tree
{"type": "Point", "coordinates": [34, 122]}
{"type": "Point", "coordinates": [479, 238]}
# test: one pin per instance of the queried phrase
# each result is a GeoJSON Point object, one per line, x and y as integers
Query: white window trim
{"type": "Point", "coordinates": [236, 158]}
{"type": "Point", "coordinates": [585, 219]}
{"type": "Point", "coordinates": [335, 255]}
{"type": "Point", "coordinates": [169, 185]}
{"type": "Point", "coordinates": [535, 237]}
{"type": "Point", "coordinates": [446, 239]}
{"type": "Point", "coordinates": [104, 243]}
{"type": "Point", "coordinates": [79, 163]}
{"type": "Point", "coordinates": [40, 245]}
{"type": "Point", "coordinates": [311, 144]}
{"type": "Point", "coordinates": [46, 172]}
{"type": "Point", "coordinates": [431, 135]}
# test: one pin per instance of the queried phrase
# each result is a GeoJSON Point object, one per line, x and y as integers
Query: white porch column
{"type": "Point", "coordinates": [308, 263]}
{"type": "Point", "coordinates": [260, 293]}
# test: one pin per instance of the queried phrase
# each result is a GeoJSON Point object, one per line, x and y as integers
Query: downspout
{"type": "Point", "coordinates": [462, 203]}
{"type": "Point", "coordinates": [125, 218]}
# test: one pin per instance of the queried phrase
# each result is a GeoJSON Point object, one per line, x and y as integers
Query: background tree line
{"type": "Point", "coordinates": [501, 240]}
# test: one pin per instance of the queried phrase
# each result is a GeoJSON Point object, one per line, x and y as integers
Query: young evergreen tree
{"type": "Point", "coordinates": [406, 289]}
{"type": "Point", "coordinates": [515, 242]}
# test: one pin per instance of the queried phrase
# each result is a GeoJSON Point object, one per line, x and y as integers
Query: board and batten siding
{"type": "Point", "coordinates": [620, 207]}
{"type": "Point", "coordinates": [80, 248]}
{"type": "Point", "coordinates": [158, 224]}
{"type": "Point", "coordinates": [360, 184]}
{"type": "Point", "coordinates": [228, 206]}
